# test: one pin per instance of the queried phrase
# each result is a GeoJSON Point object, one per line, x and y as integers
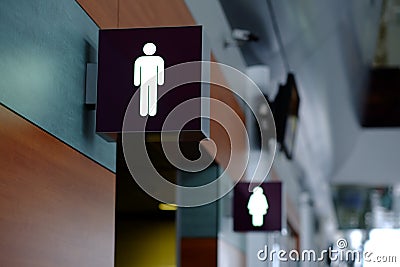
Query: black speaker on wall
{"type": "Point", "coordinates": [285, 110]}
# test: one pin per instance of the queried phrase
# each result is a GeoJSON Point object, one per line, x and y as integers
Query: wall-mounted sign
{"type": "Point", "coordinates": [135, 62]}
{"type": "Point", "coordinates": [259, 209]}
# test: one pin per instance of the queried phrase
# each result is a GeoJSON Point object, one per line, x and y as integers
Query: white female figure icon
{"type": "Point", "coordinates": [148, 72]}
{"type": "Point", "coordinates": [257, 206]}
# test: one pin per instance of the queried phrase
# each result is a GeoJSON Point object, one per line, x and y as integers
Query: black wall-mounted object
{"type": "Point", "coordinates": [291, 104]}
{"type": "Point", "coordinates": [119, 49]}
{"type": "Point", "coordinates": [91, 86]}
{"type": "Point", "coordinates": [285, 109]}
{"type": "Point", "coordinates": [381, 107]}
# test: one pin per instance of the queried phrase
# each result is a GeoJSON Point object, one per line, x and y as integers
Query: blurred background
{"type": "Point", "coordinates": [329, 70]}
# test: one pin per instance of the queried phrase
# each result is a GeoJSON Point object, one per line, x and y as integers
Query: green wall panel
{"type": "Point", "coordinates": [199, 221]}
{"type": "Point", "coordinates": [44, 48]}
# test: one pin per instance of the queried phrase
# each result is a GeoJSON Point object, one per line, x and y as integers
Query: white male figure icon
{"type": "Point", "coordinates": [148, 72]}
{"type": "Point", "coordinates": [257, 206]}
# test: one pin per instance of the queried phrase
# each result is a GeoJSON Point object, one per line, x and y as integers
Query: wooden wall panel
{"type": "Point", "coordinates": [103, 12]}
{"type": "Point", "coordinates": [198, 252]}
{"type": "Point", "coordinates": [56, 205]}
{"type": "Point", "coordinates": [230, 147]}
{"type": "Point", "coordinates": [137, 13]}
{"type": "Point", "coordinates": [154, 13]}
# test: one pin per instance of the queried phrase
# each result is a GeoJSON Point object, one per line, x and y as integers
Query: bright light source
{"type": "Point", "coordinates": [356, 238]}
{"type": "Point", "coordinates": [163, 206]}
{"type": "Point", "coordinates": [383, 248]}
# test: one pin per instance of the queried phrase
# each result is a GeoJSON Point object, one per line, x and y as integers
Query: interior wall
{"type": "Point", "coordinates": [44, 48]}
{"type": "Point", "coordinates": [56, 205]}
{"type": "Point", "coordinates": [229, 255]}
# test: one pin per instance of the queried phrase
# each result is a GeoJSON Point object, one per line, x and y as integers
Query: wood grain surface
{"type": "Point", "coordinates": [56, 205]}
{"type": "Point", "coordinates": [103, 12]}
{"type": "Point", "coordinates": [199, 252]}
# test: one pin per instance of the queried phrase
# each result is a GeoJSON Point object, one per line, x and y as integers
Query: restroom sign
{"type": "Point", "coordinates": [257, 207]}
{"type": "Point", "coordinates": [148, 74]}
{"type": "Point", "coordinates": [135, 62]}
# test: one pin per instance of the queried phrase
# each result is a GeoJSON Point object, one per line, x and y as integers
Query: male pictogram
{"type": "Point", "coordinates": [258, 206]}
{"type": "Point", "coordinates": [148, 72]}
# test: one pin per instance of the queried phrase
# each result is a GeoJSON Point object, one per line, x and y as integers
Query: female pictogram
{"type": "Point", "coordinates": [258, 206]}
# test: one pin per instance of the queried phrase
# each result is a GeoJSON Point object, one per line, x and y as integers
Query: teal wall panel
{"type": "Point", "coordinates": [199, 221]}
{"type": "Point", "coordinates": [44, 48]}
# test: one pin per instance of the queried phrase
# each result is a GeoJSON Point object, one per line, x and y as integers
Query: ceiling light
{"type": "Point", "coordinates": [163, 206]}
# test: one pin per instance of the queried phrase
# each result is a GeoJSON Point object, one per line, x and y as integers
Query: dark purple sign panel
{"type": "Point", "coordinates": [132, 61]}
{"type": "Point", "coordinates": [259, 210]}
